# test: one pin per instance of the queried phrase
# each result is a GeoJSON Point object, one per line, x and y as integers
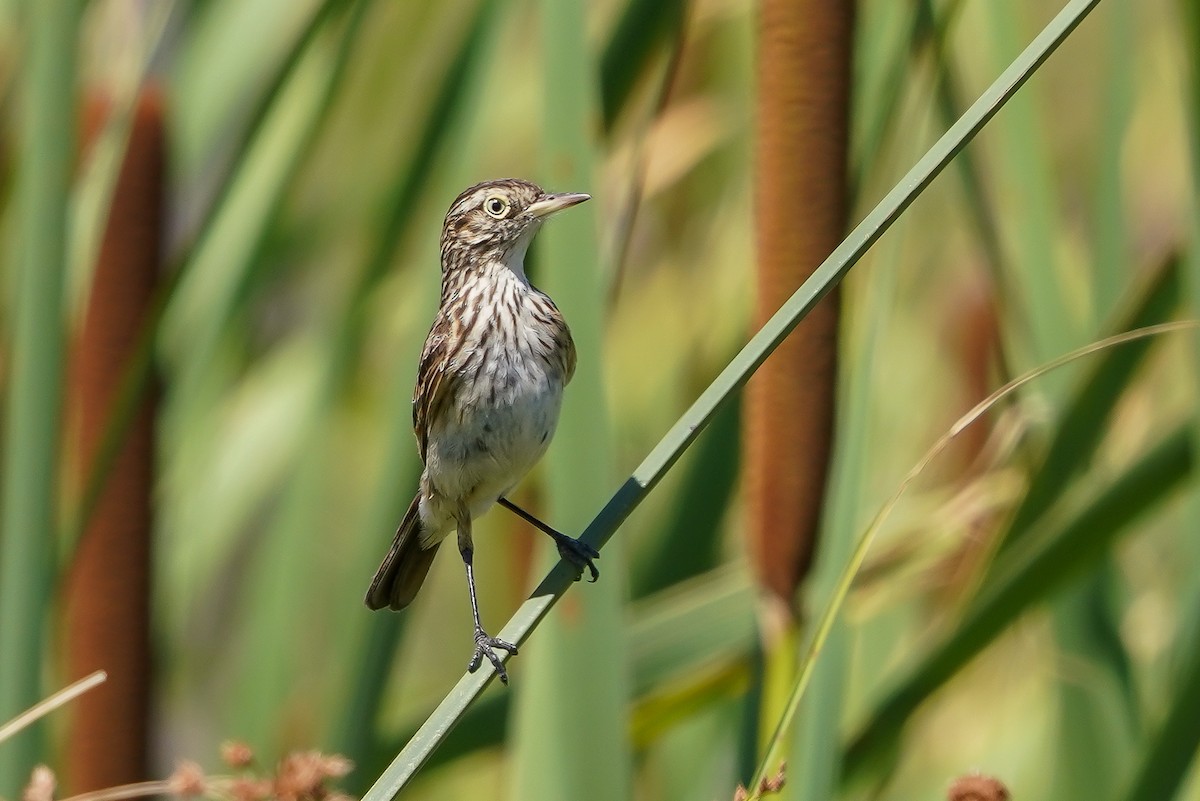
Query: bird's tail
{"type": "Point", "coordinates": [404, 568]}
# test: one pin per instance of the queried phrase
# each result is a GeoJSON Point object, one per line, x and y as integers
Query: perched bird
{"type": "Point", "coordinates": [489, 389]}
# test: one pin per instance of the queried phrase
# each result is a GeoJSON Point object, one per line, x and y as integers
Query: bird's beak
{"type": "Point", "coordinates": [549, 204]}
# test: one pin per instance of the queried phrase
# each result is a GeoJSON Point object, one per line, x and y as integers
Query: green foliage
{"type": "Point", "coordinates": [36, 343]}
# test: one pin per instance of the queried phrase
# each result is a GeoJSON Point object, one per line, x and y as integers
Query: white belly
{"type": "Point", "coordinates": [490, 442]}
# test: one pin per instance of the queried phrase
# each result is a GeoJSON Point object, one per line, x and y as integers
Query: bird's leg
{"type": "Point", "coordinates": [575, 551]}
{"type": "Point", "coordinates": [484, 643]}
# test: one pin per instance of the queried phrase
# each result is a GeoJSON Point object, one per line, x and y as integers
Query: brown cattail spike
{"type": "Point", "coordinates": [800, 215]}
{"type": "Point", "coordinates": [107, 599]}
{"type": "Point", "coordinates": [977, 787]}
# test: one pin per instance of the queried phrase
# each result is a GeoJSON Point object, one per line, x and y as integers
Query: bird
{"type": "Point", "coordinates": [489, 390]}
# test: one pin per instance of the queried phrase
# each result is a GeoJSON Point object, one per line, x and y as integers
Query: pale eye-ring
{"type": "Point", "coordinates": [496, 206]}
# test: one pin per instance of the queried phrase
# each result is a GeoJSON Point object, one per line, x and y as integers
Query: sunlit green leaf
{"type": "Point", "coordinates": [32, 417]}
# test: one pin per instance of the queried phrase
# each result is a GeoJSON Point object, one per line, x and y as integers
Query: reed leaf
{"type": "Point", "coordinates": [1165, 762]}
{"type": "Point", "coordinates": [816, 763]}
{"type": "Point", "coordinates": [555, 757]}
{"type": "Point", "coordinates": [1036, 278]}
{"type": "Point", "coordinates": [1112, 251]}
{"type": "Point", "coordinates": [223, 264]}
{"type": "Point", "coordinates": [34, 406]}
{"type": "Point", "coordinates": [1099, 716]}
{"type": "Point", "coordinates": [642, 26]}
{"type": "Point", "coordinates": [294, 531]}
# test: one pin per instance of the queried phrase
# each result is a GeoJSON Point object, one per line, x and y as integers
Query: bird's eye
{"type": "Point", "coordinates": [496, 206]}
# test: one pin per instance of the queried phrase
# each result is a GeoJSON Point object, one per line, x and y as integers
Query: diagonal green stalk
{"type": "Point", "coordinates": [674, 636]}
{"type": "Point", "coordinates": [980, 206]}
{"type": "Point", "coordinates": [1037, 297]}
{"type": "Point", "coordinates": [631, 493]}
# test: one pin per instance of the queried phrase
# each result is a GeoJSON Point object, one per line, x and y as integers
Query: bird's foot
{"type": "Point", "coordinates": [485, 645]}
{"type": "Point", "coordinates": [579, 554]}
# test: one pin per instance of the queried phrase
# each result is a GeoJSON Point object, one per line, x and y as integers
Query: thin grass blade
{"type": "Point", "coordinates": [1114, 508]}
{"type": "Point", "coordinates": [1082, 424]}
{"type": "Point", "coordinates": [39, 710]}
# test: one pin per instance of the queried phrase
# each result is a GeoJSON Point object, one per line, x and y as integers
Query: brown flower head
{"type": "Point", "coordinates": [977, 787]}
{"type": "Point", "coordinates": [250, 789]}
{"type": "Point", "coordinates": [236, 754]}
{"type": "Point", "coordinates": [302, 774]}
{"type": "Point", "coordinates": [773, 784]}
{"type": "Point", "coordinates": [188, 780]}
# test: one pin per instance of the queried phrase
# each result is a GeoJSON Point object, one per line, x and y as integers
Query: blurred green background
{"type": "Point", "coordinates": [314, 146]}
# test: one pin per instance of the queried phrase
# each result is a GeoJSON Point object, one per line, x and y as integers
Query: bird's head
{"type": "Point", "coordinates": [495, 221]}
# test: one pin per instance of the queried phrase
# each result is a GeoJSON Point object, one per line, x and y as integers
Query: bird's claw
{"type": "Point", "coordinates": [579, 554]}
{"type": "Point", "coordinates": [484, 646]}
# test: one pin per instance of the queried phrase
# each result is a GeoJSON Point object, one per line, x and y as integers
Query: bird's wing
{"type": "Point", "coordinates": [562, 345]}
{"type": "Point", "coordinates": [569, 355]}
{"type": "Point", "coordinates": [433, 385]}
